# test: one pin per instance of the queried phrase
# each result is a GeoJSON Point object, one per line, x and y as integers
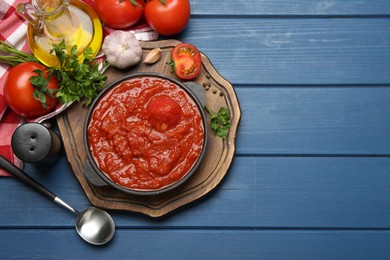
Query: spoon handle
{"type": "Point", "coordinates": [21, 175]}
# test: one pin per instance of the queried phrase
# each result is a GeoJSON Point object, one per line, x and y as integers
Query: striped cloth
{"type": "Point", "coordinates": [13, 29]}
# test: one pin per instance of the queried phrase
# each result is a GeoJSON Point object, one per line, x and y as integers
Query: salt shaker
{"type": "Point", "coordinates": [34, 142]}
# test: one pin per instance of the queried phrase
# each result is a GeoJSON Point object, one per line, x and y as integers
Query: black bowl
{"type": "Point", "coordinates": [198, 99]}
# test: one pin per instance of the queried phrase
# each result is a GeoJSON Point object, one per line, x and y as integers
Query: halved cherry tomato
{"type": "Point", "coordinates": [186, 61]}
{"type": "Point", "coordinates": [18, 91]}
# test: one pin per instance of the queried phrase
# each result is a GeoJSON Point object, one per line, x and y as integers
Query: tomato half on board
{"type": "Point", "coordinates": [18, 91]}
{"type": "Point", "coordinates": [186, 61]}
{"type": "Point", "coordinates": [119, 14]}
{"type": "Point", "coordinates": [167, 17]}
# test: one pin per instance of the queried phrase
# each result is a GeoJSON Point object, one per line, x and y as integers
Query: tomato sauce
{"type": "Point", "coordinates": [146, 133]}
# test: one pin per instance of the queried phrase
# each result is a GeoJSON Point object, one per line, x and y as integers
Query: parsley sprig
{"type": "Point", "coordinates": [12, 56]}
{"type": "Point", "coordinates": [220, 121]}
{"type": "Point", "coordinates": [76, 80]}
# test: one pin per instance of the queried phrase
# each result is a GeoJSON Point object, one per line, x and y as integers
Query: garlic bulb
{"type": "Point", "coordinates": [122, 49]}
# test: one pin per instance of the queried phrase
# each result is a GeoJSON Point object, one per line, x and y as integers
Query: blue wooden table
{"type": "Point", "coordinates": [311, 175]}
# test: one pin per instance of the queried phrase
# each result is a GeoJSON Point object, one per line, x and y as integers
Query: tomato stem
{"type": "Point", "coordinates": [133, 2]}
{"type": "Point", "coordinates": [163, 2]}
{"type": "Point", "coordinates": [172, 64]}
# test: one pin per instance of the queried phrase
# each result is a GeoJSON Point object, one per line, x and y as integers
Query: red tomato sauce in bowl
{"type": "Point", "coordinates": [146, 133]}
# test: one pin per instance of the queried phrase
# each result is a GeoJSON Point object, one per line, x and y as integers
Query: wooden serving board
{"type": "Point", "coordinates": [216, 162]}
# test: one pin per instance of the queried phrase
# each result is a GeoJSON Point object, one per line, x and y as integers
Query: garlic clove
{"type": "Point", "coordinates": [153, 56]}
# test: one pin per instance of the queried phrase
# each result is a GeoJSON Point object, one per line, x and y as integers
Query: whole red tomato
{"type": "Point", "coordinates": [167, 17]}
{"type": "Point", "coordinates": [163, 112]}
{"type": "Point", "coordinates": [18, 91]}
{"type": "Point", "coordinates": [119, 14]}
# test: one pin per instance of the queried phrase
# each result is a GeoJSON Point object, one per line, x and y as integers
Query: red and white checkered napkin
{"type": "Point", "coordinates": [13, 29]}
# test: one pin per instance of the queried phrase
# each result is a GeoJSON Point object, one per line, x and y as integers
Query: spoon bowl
{"type": "Point", "coordinates": [95, 226]}
{"type": "Point", "coordinates": [92, 224]}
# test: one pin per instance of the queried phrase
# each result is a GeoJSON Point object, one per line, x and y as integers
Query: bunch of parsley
{"type": "Point", "coordinates": [76, 79]}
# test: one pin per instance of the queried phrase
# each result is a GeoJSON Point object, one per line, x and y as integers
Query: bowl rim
{"type": "Point", "coordinates": [164, 189]}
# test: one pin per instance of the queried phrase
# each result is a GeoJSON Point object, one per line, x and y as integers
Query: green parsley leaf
{"type": "Point", "coordinates": [220, 122]}
{"type": "Point", "coordinates": [40, 83]}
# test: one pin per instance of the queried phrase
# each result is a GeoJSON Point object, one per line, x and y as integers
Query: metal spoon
{"type": "Point", "coordinates": [92, 224]}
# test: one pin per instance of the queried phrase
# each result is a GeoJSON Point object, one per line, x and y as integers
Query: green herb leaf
{"type": "Point", "coordinates": [76, 80]}
{"type": "Point", "coordinates": [220, 122]}
{"type": "Point", "coordinates": [40, 82]}
{"type": "Point", "coordinates": [163, 2]}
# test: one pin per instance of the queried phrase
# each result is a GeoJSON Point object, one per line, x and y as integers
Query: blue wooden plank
{"type": "Point", "coordinates": [295, 51]}
{"type": "Point", "coordinates": [311, 176]}
{"type": "Point", "coordinates": [291, 7]}
{"type": "Point", "coordinates": [197, 244]}
{"type": "Point", "coordinates": [258, 192]}
{"type": "Point", "coordinates": [314, 120]}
